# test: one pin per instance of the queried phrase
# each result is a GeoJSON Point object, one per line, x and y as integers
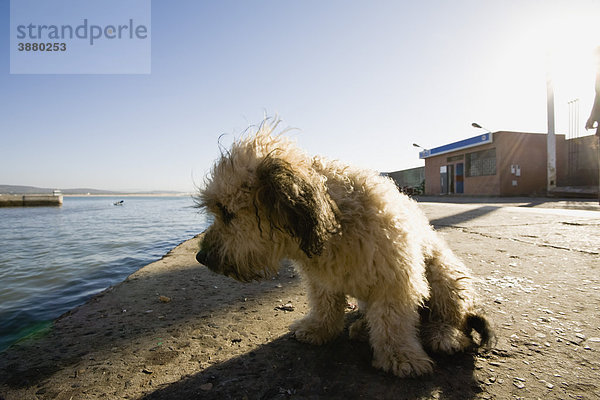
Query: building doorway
{"type": "Point", "coordinates": [444, 180]}
{"type": "Point", "coordinates": [460, 178]}
{"type": "Point", "coordinates": [447, 179]}
{"type": "Point", "coordinates": [451, 178]}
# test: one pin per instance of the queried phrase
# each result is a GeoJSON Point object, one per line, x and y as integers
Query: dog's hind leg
{"type": "Point", "coordinates": [394, 339]}
{"type": "Point", "coordinates": [325, 321]}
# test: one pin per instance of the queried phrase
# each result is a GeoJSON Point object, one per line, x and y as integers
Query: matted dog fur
{"type": "Point", "coordinates": [350, 232]}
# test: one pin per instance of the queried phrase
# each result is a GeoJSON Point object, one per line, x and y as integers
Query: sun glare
{"type": "Point", "coordinates": [565, 45]}
{"type": "Point", "coordinates": [550, 41]}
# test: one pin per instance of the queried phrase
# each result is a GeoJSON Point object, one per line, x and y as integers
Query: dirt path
{"type": "Point", "coordinates": [174, 330]}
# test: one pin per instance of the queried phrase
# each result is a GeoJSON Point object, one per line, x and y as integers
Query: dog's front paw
{"type": "Point", "coordinates": [403, 364]}
{"type": "Point", "coordinates": [313, 331]}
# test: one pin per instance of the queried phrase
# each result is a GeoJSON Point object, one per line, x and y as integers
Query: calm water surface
{"type": "Point", "coordinates": [55, 258]}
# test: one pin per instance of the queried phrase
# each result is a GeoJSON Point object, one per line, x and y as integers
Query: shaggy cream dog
{"type": "Point", "coordinates": [350, 232]}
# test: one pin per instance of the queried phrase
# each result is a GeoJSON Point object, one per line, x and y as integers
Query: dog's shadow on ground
{"type": "Point", "coordinates": [286, 368]}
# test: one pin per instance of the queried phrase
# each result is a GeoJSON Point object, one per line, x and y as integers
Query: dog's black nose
{"type": "Point", "coordinates": [202, 256]}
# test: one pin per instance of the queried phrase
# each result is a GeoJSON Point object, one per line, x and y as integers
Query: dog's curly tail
{"type": "Point", "coordinates": [479, 323]}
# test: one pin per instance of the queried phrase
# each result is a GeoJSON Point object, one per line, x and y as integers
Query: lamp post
{"type": "Point", "coordinates": [423, 153]}
{"type": "Point", "coordinates": [476, 125]}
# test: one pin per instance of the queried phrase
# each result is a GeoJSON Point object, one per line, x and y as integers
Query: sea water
{"type": "Point", "coordinates": [53, 259]}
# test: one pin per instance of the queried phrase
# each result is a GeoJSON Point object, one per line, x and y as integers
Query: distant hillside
{"type": "Point", "coordinates": [16, 189]}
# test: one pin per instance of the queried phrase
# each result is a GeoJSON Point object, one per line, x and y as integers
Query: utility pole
{"type": "Point", "coordinates": [593, 121]}
{"type": "Point", "coordinates": [551, 139]}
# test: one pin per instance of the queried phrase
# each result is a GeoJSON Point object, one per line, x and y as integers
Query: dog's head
{"type": "Point", "coordinates": [268, 202]}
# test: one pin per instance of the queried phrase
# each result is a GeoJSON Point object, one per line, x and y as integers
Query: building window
{"type": "Point", "coordinates": [481, 163]}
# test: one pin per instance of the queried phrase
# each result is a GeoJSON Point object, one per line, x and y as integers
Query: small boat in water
{"type": "Point", "coordinates": [118, 203]}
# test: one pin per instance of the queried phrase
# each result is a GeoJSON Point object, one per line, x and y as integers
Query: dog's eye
{"type": "Point", "coordinates": [225, 213]}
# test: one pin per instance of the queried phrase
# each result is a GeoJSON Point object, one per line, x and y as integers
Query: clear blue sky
{"type": "Point", "coordinates": [360, 80]}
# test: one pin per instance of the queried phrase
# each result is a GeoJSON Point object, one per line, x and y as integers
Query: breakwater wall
{"type": "Point", "coordinates": [30, 200]}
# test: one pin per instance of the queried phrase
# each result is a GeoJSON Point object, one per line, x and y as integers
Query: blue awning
{"type": "Point", "coordinates": [461, 144]}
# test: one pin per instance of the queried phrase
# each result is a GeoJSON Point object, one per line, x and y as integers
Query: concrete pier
{"type": "Point", "coordinates": [535, 268]}
{"type": "Point", "coordinates": [30, 200]}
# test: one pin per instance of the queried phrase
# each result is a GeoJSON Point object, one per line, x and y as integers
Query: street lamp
{"type": "Point", "coordinates": [476, 125]}
{"type": "Point", "coordinates": [424, 153]}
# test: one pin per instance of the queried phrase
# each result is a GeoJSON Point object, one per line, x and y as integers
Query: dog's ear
{"type": "Point", "coordinates": [297, 203]}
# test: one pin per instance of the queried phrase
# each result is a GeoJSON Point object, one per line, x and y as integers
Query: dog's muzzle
{"type": "Point", "coordinates": [202, 257]}
{"type": "Point", "coordinates": [207, 254]}
{"type": "Point", "coordinates": [207, 259]}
